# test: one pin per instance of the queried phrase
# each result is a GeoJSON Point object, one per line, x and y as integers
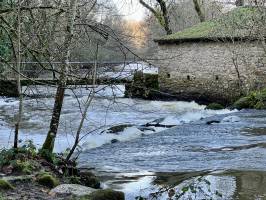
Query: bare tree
{"type": "Point", "coordinates": [17, 125]}
{"type": "Point", "coordinates": [59, 98]}
{"type": "Point", "coordinates": [161, 15]}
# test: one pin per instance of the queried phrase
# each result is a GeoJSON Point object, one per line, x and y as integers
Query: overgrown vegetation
{"type": "Point", "coordinates": [254, 100]}
{"type": "Point", "coordinates": [232, 24]}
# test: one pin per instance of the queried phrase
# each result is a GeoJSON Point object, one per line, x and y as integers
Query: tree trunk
{"type": "Point", "coordinates": [199, 10]}
{"type": "Point", "coordinates": [17, 125]}
{"type": "Point", "coordinates": [59, 98]}
{"type": "Point", "coordinates": [161, 16]}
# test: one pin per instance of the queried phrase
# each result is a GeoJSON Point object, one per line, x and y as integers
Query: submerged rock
{"type": "Point", "coordinates": [71, 189]}
{"type": "Point", "coordinates": [107, 194]}
{"type": "Point", "coordinates": [118, 128]}
{"type": "Point", "coordinates": [231, 119]}
{"type": "Point", "coordinates": [114, 141]}
{"type": "Point", "coordinates": [144, 128]}
{"type": "Point", "coordinates": [155, 122]}
{"type": "Point", "coordinates": [159, 123]}
{"type": "Point", "coordinates": [212, 122]}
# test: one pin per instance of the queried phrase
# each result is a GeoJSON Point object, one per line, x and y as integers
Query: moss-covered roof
{"type": "Point", "coordinates": [239, 23]}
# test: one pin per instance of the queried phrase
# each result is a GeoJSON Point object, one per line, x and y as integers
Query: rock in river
{"type": "Point", "coordinates": [72, 189]}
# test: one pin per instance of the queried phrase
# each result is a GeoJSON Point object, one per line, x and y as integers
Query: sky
{"type": "Point", "coordinates": [130, 9]}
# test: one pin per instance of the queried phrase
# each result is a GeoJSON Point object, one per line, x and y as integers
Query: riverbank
{"type": "Point", "coordinates": [26, 173]}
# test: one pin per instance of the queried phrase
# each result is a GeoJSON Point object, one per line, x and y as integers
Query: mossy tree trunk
{"type": "Point", "coordinates": [162, 15]}
{"type": "Point", "coordinates": [199, 10]}
{"type": "Point", "coordinates": [59, 97]}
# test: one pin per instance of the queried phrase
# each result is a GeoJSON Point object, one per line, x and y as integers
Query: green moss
{"type": "Point", "coordinates": [47, 180]}
{"type": "Point", "coordinates": [215, 106]}
{"type": "Point", "coordinates": [107, 194]}
{"type": "Point", "coordinates": [25, 167]}
{"type": "Point", "coordinates": [5, 185]}
{"type": "Point", "coordinates": [233, 24]}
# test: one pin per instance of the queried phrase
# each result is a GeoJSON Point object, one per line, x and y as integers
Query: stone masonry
{"type": "Point", "coordinates": [211, 71]}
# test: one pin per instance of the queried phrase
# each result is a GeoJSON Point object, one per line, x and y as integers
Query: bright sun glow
{"type": "Point", "coordinates": [130, 9]}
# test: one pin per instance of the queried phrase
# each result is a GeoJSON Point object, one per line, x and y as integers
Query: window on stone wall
{"type": "Point", "coordinates": [188, 77]}
{"type": "Point", "coordinates": [216, 77]}
{"type": "Point", "coordinates": [168, 75]}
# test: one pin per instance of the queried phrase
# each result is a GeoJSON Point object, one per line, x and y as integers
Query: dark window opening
{"type": "Point", "coordinates": [188, 77]}
{"type": "Point", "coordinates": [216, 77]}
{"type": "Point", "coordinates": [168, 75]}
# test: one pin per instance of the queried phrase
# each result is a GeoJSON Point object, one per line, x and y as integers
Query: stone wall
{"type": "Point", "coordinates": [211, 71]}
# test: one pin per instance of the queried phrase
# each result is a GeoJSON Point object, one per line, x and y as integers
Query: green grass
{"type": "Point", "coordinates": [233, 24]}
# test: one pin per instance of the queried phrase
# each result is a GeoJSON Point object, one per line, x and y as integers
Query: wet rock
{"type": "Point", "coordinates": [90, 180]}
{"type": "Point", "coordinates": [72, 189]}
{"type": "Point", "coordinates": [158, 123]}
{"type": "Point", "coordinates": [118, 128]}
{"type": "Point", "coordinates": [114, 141]}
{"type": "Point", "coordinates": [212, 122]}
{"type": "Point", "coordinates": [155, 122]}
{"type": "Point", "coordinates": [231, 119]}
{"type": "Point", "coordinates": [107, 194]}
{"type": "Point", "coordinates": [215, 106]}
{"type": "Point", "coordinates": [143, 128]}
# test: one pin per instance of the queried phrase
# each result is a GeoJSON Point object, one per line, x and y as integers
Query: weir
{"type": "Point", "coordinates": [136, 83]}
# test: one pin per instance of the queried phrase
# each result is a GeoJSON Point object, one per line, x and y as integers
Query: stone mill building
{"type": "Point", "coordinates": [217, 60]}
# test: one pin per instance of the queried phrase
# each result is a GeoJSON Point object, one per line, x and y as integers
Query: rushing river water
{"type": "Point", "coordinates": [226, 158]}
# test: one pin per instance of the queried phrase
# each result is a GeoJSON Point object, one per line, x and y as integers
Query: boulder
{"type": "Point", "coordinates": [107, 194]}
{"type": "Point", "coordinates": [71, 189]}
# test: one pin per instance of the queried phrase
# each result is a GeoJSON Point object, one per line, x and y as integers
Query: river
{"type": "Point", "coordinates": [221, 161]}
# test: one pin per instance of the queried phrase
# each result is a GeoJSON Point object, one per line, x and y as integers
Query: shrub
{"type": "Point", "coordinates": [254, 100]}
